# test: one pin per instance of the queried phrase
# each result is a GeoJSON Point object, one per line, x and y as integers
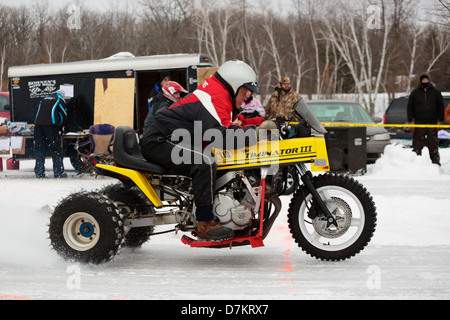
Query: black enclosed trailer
{"type": "Point", "coordinates": [113, 90]}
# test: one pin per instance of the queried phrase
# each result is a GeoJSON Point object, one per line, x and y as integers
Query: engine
{"type": "Point", "coordinates": [232, 213]}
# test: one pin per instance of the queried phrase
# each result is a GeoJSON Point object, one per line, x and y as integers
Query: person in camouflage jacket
{"type": "Point", "coordinates": [282, 100]}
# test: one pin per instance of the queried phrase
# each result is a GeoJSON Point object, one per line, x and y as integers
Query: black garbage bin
{"type": "Point", "coordinates": [346, 147]}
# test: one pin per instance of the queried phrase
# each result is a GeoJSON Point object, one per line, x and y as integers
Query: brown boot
{"type": "Point", "coordinates": [213, 230]}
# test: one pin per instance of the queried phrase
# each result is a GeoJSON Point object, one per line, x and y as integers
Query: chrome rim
{"type": "Point", "coordinates": [348, 212]}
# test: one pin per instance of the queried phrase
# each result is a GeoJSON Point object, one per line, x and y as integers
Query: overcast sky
{"type": "Point", "coordinates": [103, 4]}
{"type": "Point", "coordinates": [277, 5]}
{"type": "Point", "coordinates": [283, 6]}
{"type": "Point", "coordinates": [97, 4]}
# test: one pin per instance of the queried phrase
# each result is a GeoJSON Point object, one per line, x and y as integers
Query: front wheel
{"type": "Point", "coordinates": [351, 206]}
{"type": "Point", "coordinates": [86, 227]}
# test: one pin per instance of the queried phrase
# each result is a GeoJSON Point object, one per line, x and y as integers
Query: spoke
{"type": "Point", "coordinates": [315, 237]}
{"type": "Point", "coordinates": [355, 222]}
{"type": "Point", "coordinates": [325, 195]}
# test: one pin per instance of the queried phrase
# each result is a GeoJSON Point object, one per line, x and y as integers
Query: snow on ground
{"type": "Point", "coordinates": [412, 196]}
{"type": "Point", "coordinates": [408, 257]}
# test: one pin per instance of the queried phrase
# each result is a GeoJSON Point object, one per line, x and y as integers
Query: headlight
{"type": "Point", "coordinates": [381, 136]}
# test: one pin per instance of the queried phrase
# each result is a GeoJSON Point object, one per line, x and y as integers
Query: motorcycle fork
{"type": "Point", "coordinates": [264, 172]}
{"type": "Point", "coordinates": [306, 177]}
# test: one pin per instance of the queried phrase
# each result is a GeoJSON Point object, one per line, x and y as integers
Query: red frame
{"type": "Point", "coordinates": [255, 241]}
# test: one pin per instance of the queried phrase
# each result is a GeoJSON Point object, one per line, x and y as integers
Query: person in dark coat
{"type": "Point", "coordinates": [50, 117]}
{"type": "Point", "coordinates": [163, 78]}
{"type": "Point", "coordinates": [171, 92]}
{"type": "Point", "coordinates": [426, 106]}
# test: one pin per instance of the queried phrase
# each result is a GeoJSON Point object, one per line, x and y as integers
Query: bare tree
{"type": "Point", "coordinates": [3, 53]}
{"type": "Point", "coordinates": [299, 58]}
{"type": "Point", "coordinates": [272, 46]}
{"type": "Point", "coordinates": [416, 32]}
{"type": "Point", "coordinates": [215, 22]}
{"type": "Point", "coordinates": [248, 40]}
{"type": "Point", "coordinates": [312, 9]}
{"type": "Point", "coordinates": [441, 13]}
{"type": "Point", "coordinates": [351, 33]}
{"type": "Point", "coordinates": [163, 23]}
{"type": "Point", "coordinates": [440, 43]}
{"type": "Point", "coordinates": [4, 41]}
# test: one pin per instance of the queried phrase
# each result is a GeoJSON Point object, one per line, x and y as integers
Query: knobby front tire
{"type": "Point", "coordinates": [349, 203]}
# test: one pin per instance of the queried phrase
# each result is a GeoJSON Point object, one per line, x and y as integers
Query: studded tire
{"type": "Point", "coordinates": [349, 202]}
{"type": "Point", "coordinates": [86, 227]}
{"type": "Point", "coordinates": [131, 199]}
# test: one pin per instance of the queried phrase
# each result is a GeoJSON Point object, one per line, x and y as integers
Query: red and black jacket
{"type": "Point", "coordinates": [211, 104]}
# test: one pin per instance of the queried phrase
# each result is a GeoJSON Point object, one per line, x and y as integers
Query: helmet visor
{"type": "Point", "coordinates": [252, 86]}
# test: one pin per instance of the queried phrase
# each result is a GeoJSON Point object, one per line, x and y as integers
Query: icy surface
{"type": "Point", "coordinates": [408, 257]}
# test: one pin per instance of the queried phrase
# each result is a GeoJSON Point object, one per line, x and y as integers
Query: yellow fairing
{"type": "Point", "coordinates": [139, 179]}
{"type": "Point", "coordinates": [273, 153]}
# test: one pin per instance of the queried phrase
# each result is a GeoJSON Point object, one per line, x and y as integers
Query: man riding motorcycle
{"type": "Point", "coordinates": [212, 105]}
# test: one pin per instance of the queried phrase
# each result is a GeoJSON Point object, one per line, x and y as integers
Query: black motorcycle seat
{"type": "Point", "coordinates": [127, 153]}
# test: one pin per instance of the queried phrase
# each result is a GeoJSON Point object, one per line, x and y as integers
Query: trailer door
{"type": "Point", "coordinates": [196, 76]}
{"type": "Point", "coordinates": [205, 73]}
{"type": "Point", "coordinates": [114, 101]}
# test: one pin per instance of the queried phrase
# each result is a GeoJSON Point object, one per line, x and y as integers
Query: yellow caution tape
{"type": "Point", "coordinates": [440, 126]}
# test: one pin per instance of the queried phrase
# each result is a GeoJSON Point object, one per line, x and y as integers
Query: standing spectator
{"type": "Point", "coordinates": [50, 118]}
{"type": "Point", "coordinates": [163, 78]}
{"type": "Point", "coordinates": [282, 101]}
{"type": "Point", "coordinates": [171, 93]}
{"type": "Point", "coordinates": [426, 106]}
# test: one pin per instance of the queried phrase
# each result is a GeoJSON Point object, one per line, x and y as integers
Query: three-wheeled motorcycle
{"type": "Point", "coordinates": [330, 216]}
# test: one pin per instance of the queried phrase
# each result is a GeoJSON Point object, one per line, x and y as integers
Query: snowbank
{"type": "Point", "coordinates": [400, 163]}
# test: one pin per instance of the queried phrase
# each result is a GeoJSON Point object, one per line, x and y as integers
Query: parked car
{"type": "Point", "coordinates": [334, 111]}
{"type": "Point", "coordinates": [4, 105]}
{"type": "Point", "coordinates": [396, 113]}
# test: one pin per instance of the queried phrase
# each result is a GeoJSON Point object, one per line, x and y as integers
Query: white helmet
{"type": "Point", "coordinates": [238, 74]}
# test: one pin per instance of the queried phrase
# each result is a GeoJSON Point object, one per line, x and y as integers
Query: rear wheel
{"type": "Point", "coordinates": [86, 227]}
{"type": "Point", "coordinates": [131, 200]}
{"type": "Point", "coordinates": [351, 206]}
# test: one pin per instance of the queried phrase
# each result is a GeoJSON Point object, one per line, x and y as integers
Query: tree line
{"type": "Point", "coordinates": [326, 47]}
